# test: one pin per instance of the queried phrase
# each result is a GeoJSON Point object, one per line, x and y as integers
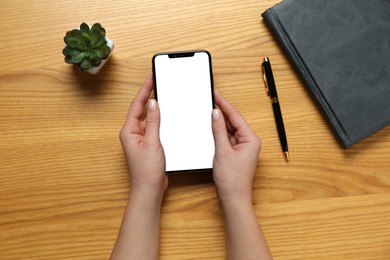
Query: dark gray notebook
{"type": "Point", "coordinates": [341, 48]}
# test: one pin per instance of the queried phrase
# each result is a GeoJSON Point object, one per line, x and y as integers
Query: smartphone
{"type": "Point", "coordinates": [185, 94]}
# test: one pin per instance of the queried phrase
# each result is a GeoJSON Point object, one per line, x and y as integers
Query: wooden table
{"type": "Point", "coordinates": [63, 177]}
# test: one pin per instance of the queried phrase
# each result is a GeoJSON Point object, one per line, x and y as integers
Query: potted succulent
{"type": "Point", "coordinates": [88, 47]}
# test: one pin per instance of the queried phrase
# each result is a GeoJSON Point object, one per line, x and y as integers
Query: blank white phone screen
{"type": "Point", "coordinates": [184, 93]}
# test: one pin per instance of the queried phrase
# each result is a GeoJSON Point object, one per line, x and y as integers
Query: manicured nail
{"type": "Point", "coordinates": [152, 104]}
{"type": "Point", "coordinates": [216, 114]}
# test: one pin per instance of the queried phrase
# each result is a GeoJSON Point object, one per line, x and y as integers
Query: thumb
{"type": "Point", "coordinates": [152, 120]}
{"type": "Point", "coordinates": [219, 131]}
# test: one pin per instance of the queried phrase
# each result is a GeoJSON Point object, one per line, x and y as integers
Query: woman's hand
{"type": "Point", "coordinates": [236, 152]}
{"type": "Point", "coordinates": [141, 143]}
{"type": "Point", "coordinates": [237, 149]}
{"type": "Point", "coordinates": [139, 234]}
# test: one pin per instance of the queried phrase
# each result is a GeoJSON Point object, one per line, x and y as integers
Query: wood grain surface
{"type": "Point", "coordinates": [63, 177]}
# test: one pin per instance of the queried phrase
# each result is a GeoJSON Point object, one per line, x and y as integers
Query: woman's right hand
{"type": "Point", "coordinates": [237, 149]}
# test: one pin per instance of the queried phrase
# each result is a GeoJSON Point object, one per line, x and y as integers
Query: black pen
{"type": "Point", "coordinates": [271, 91]}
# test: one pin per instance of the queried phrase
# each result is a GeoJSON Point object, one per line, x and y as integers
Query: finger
{"type": "Point", "coordinates": [219, 131]}
{"type": "Point", "coordinates": [230, 128]}
{"type": "Point", "coordinates": [152, 122]}
{"type": "Point", "coordinates": [233, 117]}
{"type": "Point", "coordinates": [137, 106]}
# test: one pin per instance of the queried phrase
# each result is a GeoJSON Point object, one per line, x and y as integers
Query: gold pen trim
{"type": "Point", "coordinates": [287, 156]}
{"type": "Point", "coordinates": [274, 100]}
{"type": "Point", "coordinates": [265, 81]}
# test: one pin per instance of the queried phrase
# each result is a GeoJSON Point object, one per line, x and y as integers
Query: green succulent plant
{"type": "Point", "coordinates": [86, 47]}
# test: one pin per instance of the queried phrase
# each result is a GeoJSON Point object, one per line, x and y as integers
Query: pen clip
{"type": "Point", "coordinates": [265, 82]}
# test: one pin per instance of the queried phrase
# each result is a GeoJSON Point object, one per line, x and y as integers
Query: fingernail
{"type": "Point", "coordinates": [152, 104]}
{"type": "Point", "coordinates": [216, 114]}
